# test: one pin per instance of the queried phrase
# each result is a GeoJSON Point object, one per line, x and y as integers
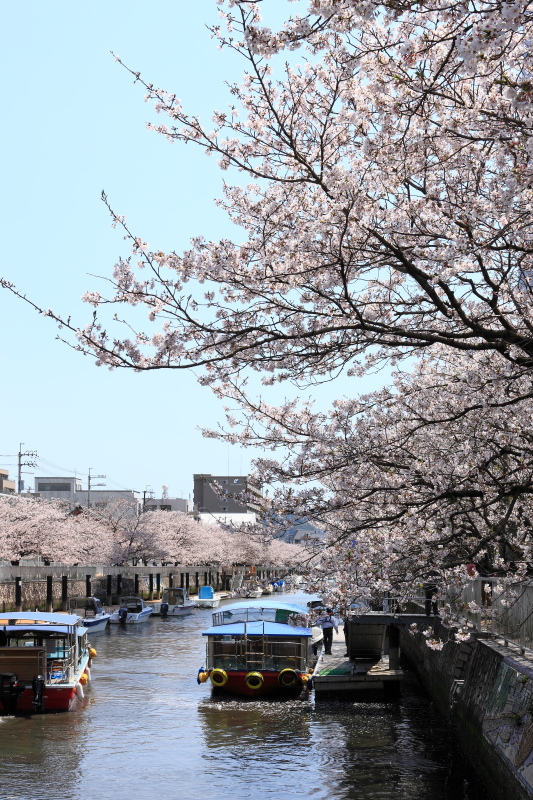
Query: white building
{"type": "Point", "coordinates": [226, 518]}
{"type": "Point", "coordinates": [169, 504]}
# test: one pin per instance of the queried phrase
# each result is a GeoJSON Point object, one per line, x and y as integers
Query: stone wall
{"type": "Point", "coordinates": [486, 691]}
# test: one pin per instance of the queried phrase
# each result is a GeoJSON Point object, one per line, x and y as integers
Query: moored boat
{"type": "Point", "coordinates": [44, 661]}
{"type": "Point", "coordinates": [206, 598]}
{"type": "Point", "coordinates": [258, 648]}
{"type": "Point", "coordinates": [92, 612]}
{"type": "Point", "coordinates": [176, 603]}
{"type": "Point", "coordinates": [132, 610]}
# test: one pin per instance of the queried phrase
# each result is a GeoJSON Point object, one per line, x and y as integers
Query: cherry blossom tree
{"type": "Point", "coordinates": [33, 527]}
{"type": "Point", "coordinates": [387, 214]}
{"type": "Point", "coordinates": [389, 208]}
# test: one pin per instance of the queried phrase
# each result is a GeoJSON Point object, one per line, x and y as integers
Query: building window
{"type": "Point", "coordinates": [165, 508]}
{"type": "Point", "coordinates": [54, 487]}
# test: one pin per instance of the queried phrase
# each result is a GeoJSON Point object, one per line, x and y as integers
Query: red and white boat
{"type": "Point", "coordinates": [259, 647]}
{"type": "Point", "coordinates": [44, 661]}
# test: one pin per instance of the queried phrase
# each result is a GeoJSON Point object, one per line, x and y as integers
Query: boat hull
{"type": "Point", "coordinates": [208, 603]}
{"type": "Point", "coordinates": [131, 619]}
{"type": "Point", "coordinates": [96, 625]}
{"type": "Point", "coordinates": [236, 684]}
{"type": "Point", "coordinates": [180, 611]}
{"type": "Point", "coordinates": [57, 696]}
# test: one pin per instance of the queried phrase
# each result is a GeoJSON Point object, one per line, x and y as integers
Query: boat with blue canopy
{"type": "Point", "coordinates": [44, 661]}
{"type": "Point", "coordinates": [259, 647]}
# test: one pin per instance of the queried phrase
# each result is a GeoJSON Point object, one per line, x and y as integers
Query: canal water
{"type": "Point", "coordinates": [147, 729]}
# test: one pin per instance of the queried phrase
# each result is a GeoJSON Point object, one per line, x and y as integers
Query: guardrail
{"type": "Point", "coordinates": [506, 612]}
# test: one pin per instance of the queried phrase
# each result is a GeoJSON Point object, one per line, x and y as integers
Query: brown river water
{"type": "Point", "coordinates": [146, 729]}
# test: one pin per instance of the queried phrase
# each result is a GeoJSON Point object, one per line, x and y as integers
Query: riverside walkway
{"type": "Point", "coordinates": [337, 674]}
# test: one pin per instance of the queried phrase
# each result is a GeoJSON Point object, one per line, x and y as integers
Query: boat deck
{"type": "Point", "coordinates": [337, 674]}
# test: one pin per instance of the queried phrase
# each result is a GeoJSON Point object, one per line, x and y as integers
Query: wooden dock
{"type": "Point", "coordinates": [337, 675]}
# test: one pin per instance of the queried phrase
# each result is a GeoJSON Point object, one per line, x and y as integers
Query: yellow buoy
{"type": "Point", "coordinates": [92, 652]}
{"type": "Point", "coordinates": [254, 680]}
{"type": "Point", "coordinates": [84, 679]}
{"type": "Point", "coordinates": [218, 677]}
{"type": "Point", "coordinates": [287, 678]}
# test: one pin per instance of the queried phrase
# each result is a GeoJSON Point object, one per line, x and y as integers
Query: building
{"type": "Point", "coordinates": [169, 504]}
{"type": "Point", "coordinates": [226, 504]}
{"type": "Point", "coordinates": [300, 530]}
{"type": "Point", "coordinates": [71, 490]}
{"type": "Point", "coordinates": [6, 486]}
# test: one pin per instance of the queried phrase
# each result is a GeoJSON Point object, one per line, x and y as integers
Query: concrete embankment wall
{"type": "Point", "coordinates": [486, 691]}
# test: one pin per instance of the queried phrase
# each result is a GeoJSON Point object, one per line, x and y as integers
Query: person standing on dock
{"type": "Point", "coordinates": [328, 623]}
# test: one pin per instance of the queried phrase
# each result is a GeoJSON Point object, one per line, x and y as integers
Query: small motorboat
{"type": "Point", "coordinates": [176, 603]}
{"type": "Point", "coordinates": [92, 612]}
{"type": "Point", "coordinates": [206, 598]}
{"type": "Point", "coordinates": [251, 590]}
{"type": "Point", "coordinates": [44, 661]}
{"type": "Point", "coordinates": [259, 647]}
{"type": "Point", "coordinates": [132, 610]}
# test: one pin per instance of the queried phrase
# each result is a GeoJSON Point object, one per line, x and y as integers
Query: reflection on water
{"type": "Point", "coordinates": [147, 728]}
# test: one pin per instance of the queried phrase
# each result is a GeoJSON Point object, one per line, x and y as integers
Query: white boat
{"type": "Point", "coordinates": [176, 603]}
{"type": "Point", "coordinates": [132, 611]}
{"type": "Point", "coordinates": [206, 598]}
{"type": "Point", "coordinates": [44, 661]}
{"type": "Point", "coordinates": [92, 612]}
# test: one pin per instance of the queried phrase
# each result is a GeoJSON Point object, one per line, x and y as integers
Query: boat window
{"type": "Point", "coordinates": [174, 596]}
{"type": "Point", "coordinates": [258, 652]}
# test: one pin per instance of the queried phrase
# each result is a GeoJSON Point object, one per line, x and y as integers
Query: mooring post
{"type": "Point", "coordinates": [18, 594]}
{"type": "Point", "coordinates": [49, 594]}
{"type": "Point", "coordinates": [182, 580]}
{"type": "Point", "coordinates": [64, 592]}
{"type": "Point", "coordinates": [206, 579]}
{"type": "Point", "coordinates": [88, 587]}
{"type": "Point", "coordinates": [119, 588]}
{"type": "Point", "coordinates": [170, 580]}
{"type": "Point", "coordinates": [394, 647]}
{"type": "Point", "coordinates": [158, 586]}
{"type": "Point", "coordinates": [109, 594]}
{"type": "Point", "coordinates": [197, 581]}
{"type": "Point", "coordinates": [187, 581]}
{"type": "Point", "coordinates": [151, 586]}
{"type": "Point", "coordinates": [136, 584]}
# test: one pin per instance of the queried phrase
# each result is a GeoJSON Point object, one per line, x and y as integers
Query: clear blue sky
{"type": "Point", "coordinates": [74, 124]}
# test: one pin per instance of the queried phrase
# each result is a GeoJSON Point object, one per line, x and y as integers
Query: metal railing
{"type": "Point", "coordinates": [506, 612]}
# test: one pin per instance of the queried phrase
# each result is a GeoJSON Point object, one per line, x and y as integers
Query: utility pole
{"type": "Point", "coordinates": [149, 493]}
{"type": "Point", "coordinates": [31, 454]}
{"type": "Point", "coordinates": [89, 479]}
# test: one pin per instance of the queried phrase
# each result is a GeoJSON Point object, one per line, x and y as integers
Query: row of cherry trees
{"type": "Point", "coordinates": [387, 217]}
{"type": "Point", "coordinates": [113, 534]}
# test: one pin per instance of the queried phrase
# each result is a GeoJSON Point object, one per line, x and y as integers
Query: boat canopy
{"type": "Point", "coordinates": [39, 630]}
{"type": "Point", "coordinates": [257, 629]}
{"type": "Point", "coordinates": [30, 618]}
{"type": "Point", "coordinates": [296, 609]}
{"type": "Point", "coordinates": [206, 593]}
